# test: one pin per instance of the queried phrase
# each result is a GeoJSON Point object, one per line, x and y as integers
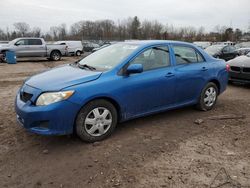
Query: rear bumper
{"type": "Point", "coordinates": [239, 77]}
{"type": "Point", "coordinates": [54, 119]}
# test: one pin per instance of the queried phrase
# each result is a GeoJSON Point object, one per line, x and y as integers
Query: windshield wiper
{"type": "Point", "coordinates": [86, 66]}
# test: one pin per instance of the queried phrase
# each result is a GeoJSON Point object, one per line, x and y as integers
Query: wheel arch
{"type": "Point", "coordinates": [55, 50]}
{"type": "Point", "coordinates": [109, 99]}
{"type": "Point", "coordinates": [217, 83]}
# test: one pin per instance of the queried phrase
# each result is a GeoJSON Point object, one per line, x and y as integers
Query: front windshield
{"type": "Point", "coordinates": [110, 56]}
{"type": "Point", "coordinates": [213, 49]}
{"type": "Point", "coordinates": [13, 41]}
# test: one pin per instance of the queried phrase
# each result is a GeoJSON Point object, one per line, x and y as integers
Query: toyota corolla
{"type": "Point", "coordinates": [120, 82]}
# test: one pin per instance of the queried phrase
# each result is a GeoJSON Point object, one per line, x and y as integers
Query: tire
{"type": "Point", "coordinates": [208, 97]}
{"type": "Point", "coordinates": [55, 55]}
{"type": "Point", "coordinates": [78, 53]}
{"type": "Point", "coordinates": [96, 121]}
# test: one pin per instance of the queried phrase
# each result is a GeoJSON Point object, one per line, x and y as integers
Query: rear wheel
{"type": "Point", "coordinates": [78, 53]}
{"type": "Point", "coordinates": [55, 55]}
{"type": "Point", "coordinates": [208, 97]}
{"type": "Point", "coordinates": [96, 121]}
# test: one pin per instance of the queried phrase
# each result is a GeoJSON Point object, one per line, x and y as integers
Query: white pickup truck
{"type": "Point", "coordinates": [34, 47]}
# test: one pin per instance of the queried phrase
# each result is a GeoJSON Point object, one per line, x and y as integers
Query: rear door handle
{"type": "Point", "coordinates": [169, 74]}
{"type": "Point", "coordinates": [204, 69]}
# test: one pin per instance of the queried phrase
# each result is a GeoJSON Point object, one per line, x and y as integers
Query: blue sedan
{"type": "Point", "coordinates": [120, 82]}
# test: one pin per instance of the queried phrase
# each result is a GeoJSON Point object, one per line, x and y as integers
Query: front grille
{"type": "Point", "coordinates": [245, 69]}
{"type": "Point", "coordinates": [236, 69]}
{"type": "Point", "coordinates": [25, 96]}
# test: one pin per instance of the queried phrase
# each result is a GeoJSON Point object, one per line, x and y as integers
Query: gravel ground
{"type": "Point", "coordinates": [164, 150]}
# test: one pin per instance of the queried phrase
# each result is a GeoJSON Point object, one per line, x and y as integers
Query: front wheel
{"type": "Point", "coordinates": [208, 97]}
{"type": "Point", "coordinates": [96, 121]}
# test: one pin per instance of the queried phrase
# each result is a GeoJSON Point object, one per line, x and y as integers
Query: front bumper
{"type": "Point", "coordinates": [239, 77]}
{"type": "Point", "coordinates": [53, 119]}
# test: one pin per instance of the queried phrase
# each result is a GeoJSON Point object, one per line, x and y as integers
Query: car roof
{"type": "Point", "coordinates": [155, 42]}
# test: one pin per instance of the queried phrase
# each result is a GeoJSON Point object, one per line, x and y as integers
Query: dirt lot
{"type": "Point", "coordinates": [164, 150]}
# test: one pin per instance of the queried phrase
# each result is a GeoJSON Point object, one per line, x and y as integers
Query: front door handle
{"type": "Point", "coordinates": [169, 74]}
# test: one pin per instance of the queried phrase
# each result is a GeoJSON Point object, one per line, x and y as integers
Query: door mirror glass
{"type": "Point", "coordinates": [134, 68]}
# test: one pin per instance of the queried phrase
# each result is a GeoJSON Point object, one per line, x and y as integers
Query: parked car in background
{"type": "Point", "coordinates": [225, 52]}
{"type": "Point", "coordinates": [243, 51]}
{"type": "Point", "coordinates": [243, 48]}
{"type": "Point", "coordinates": [240, 69]}
{"type": "Point", "coordinates": [118, 83]}
{"type": "Point", "coordinates": [35, 47]}
{"type": "Point", "coordinates": [89, 46]}
{"type": "Point", "coordinates": [242, 45]}
{"type": "Point", "coordinates": [74, 47]}
{"type": "Point", "coordinates": [202, 44]}
{"type": "Point", "coordinates": [225, 43]}
{"type": "Point", "coordinates": [101, 47]}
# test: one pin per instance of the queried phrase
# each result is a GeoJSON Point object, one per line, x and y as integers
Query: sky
{"type": "Point", "coordinates": [196, 13]}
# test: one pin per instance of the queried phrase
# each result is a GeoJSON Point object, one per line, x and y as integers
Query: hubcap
{"type": "Point", "coordinates": [98, 121]}
{"type": "Point", "coordinates": [56, 56]}
{"type": "Point", "coordinates": [210, 96]}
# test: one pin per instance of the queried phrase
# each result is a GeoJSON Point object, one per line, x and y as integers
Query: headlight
{"type": "Point", "coordinates": [52, 97]}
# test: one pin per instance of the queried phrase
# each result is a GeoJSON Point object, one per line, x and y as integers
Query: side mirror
{"type": "Point", "coordinates": [134, 68]}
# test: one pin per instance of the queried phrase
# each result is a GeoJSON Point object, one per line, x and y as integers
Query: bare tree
{"type": "Point", "coordinates": [124, 29]}
{"type": "Point", "coordinates": [62, 31]}
{"type": "Point", "coordinates": [54, 32]}
{"type": "Point", "coordinates": [22, 27]}
{"type": "Point", "coordinates": [36, 32]}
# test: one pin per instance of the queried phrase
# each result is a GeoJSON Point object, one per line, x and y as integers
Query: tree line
{"type": "Point", "coordinates": [130, 28]}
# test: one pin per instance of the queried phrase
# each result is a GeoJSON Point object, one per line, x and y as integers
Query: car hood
{"type": "Point", "coordinates": [240, 61]}
{"type": "Point", "coordinates": [4, 47]}
{"type": "Point", "coordinates": [61, 77]}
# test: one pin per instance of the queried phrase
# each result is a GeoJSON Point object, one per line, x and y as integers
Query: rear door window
{"type": "Point", "coordinates": [35, 42]}
{"type": "Point", "coordinates": [185, 55]}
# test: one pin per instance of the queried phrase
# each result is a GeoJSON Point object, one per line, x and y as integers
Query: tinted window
{"type": "Point", "coordinates": [153, 58]}
{"type": "Point", "coordinates": [35, 42]}
{"type": "Point", "coordinates": [22, 42]}
{"type": "Point", "coordinates": [185, 55]}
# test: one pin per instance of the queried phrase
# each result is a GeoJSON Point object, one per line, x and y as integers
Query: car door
{"type": "Point", "coordinates": [21, 47]}
{"type": "Point", "coordinates": [35, 48]}
{"type": "Point", "coordinates": [191, 72]}
{"type": "Point", "coordinates": [152, 89]}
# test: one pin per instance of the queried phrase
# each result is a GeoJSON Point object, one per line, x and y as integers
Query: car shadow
{"type": "Point", "coordinates": [126, 129]}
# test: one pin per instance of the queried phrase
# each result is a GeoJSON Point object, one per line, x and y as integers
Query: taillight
{"type": "Point", "coordinates": [227, 67]}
